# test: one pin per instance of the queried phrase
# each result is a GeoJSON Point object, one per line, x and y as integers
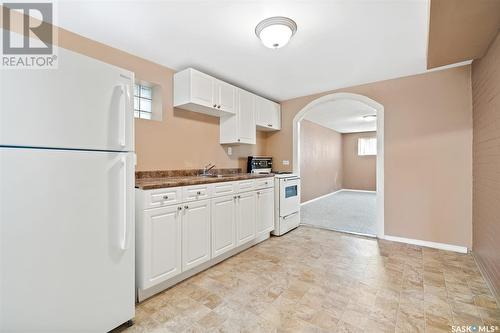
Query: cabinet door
{"type": "Point", "coordinates": [245, 229]}
{"type": "Point", "coordinates": [195, 234]}
{"type": "Point", "coordinates": [265, 211]}
{"type": "Point", "coordinates": [246, 117]}
{"type": "Point", "coordinates": [268, 114]}
{"type": "Point", "coordinates": [202, 89]}
{"type": "Point", "coordinates": [264, 117]}
{"type": "Point", "coordinates": [161, 243]}
{"type": "Point", "coordinates": [226, 96]}
{"type": "Point", "coordinates": [275, 109]}
{"type": "Point", "coordinates": [223, 224]}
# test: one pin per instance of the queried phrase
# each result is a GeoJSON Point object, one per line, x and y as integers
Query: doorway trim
{"type": "Point", "coordinates": [379, 108]}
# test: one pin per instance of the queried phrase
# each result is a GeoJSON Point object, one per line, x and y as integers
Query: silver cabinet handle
{"type": "Point", "coordinates": [258, 193]}
{"type": "Point", "coordinates": [269, 125]}
{"type": "Point", "coordinates": [179, 208]}
{"type": "Point", "coordinates": [198, 193]}
{"type": "Point", "coordinates": [235, 197]}
{"type": "Point", "coordinates": [238, 140]}
{"type": "Point", "coordinates": [186, 207]}
{"type": "Point", "coordinates": [239, 196]}
{"type": "Point", "coordinates": [218, 106]}
{"type": "Point", "coordinates": [215, 105]}
{"type": "Point", "coordinates": [165, 197]}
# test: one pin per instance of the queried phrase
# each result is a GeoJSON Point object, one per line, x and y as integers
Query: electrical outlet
{"type": "Point", "coordinates": [230, 151]}
{"type": "Point", "coordinates": [286, 162]}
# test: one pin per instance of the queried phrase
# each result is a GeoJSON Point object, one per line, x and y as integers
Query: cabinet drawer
{"type": "Point", "coordinates": [226, 188]}
{"type": "Point", "coordinates": [162, 197]}
{"type": "Point", "coordinates": [264, 183]}
{"type": "Point", "coordinates": [246, 185]}
{"type": "Point", "coordinates": [196, 192]}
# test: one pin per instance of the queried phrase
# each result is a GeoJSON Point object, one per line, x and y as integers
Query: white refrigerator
{"type": "Point", "coordinates": [66, 197]}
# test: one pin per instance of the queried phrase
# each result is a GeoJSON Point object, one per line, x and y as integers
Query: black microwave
{"type": "Point", "coordinates": [259, 164]}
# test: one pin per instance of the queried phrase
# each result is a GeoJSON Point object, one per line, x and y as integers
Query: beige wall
{"type": "Point", "coordinates": [183, 139]}
{"type": "Point", "coordinates": [461, 30]}
{"type": "Point", "coordinates": [428, 152]}
{"type": "Point", "coordinates": [320, 160]}
{"type": "Point", "coordinates": [360, 172]}
{"type": "Point", "coordinates": [486, 203]}
{"type": "Point", "coordinates": [428, 142]}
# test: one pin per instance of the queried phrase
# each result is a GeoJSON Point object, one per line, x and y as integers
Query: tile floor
{"type": "Point", "coordinates": [314, 280]}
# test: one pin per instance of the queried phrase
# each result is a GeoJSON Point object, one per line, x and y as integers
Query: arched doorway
{"type": "Point", "coordinates": [380, 144]}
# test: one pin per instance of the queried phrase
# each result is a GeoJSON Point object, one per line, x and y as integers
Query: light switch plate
{"type": "Point", "coordinates": [230, 151]}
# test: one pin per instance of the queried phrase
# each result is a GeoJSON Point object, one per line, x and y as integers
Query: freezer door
{"type": "Point", "coordinates": [84, 103]}
{"type": "Point", "coordinates": [66, 240]}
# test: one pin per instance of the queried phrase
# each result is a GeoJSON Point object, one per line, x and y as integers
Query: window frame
{"type": "Point", "coordinates": [367, 148]}
{"type": "Point", "coordinates": [138, 87]}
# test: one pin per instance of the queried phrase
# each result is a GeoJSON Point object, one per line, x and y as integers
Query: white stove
{"type": "Point", "coordinates": [286, 203]}
{"type": "Point", "coordinates": [285, 175]}
{"type": "Point", "coordinates": [286, 194]}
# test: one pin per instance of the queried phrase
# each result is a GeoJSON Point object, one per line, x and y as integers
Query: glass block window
{"type": "Point", "coordinates": [143, 101]}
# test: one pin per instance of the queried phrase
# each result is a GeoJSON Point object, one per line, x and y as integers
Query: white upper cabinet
{"type": "Point", "coordinates": [241, 112]}
{"type": "Point", "coordinates": [199, 92]}
{"type": "Point", "coordinates": [240, 128]}
{"type": "Point", "coordinates": [202, 89]}
{"type": "Point", "coordinates": [268, 114]}
{"type": "Point", "coordinates": [225, 96]}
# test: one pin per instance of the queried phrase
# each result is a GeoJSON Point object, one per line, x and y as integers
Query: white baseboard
{"type": "Point", "coordinates": [328, 194]}
{"type": "Point", "coordinates": [353, 190]}
{"type": "Point", "coordinates": [440, 246]}
{"type": "Point", "coordinates": [319, 198]}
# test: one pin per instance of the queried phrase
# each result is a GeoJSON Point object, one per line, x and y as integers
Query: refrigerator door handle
{"type": "Point", "coordinates": [125, 96]}
{"type": "Point", "coordinates": [125, 233]}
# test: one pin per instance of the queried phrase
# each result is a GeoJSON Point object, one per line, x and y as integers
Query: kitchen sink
{"type": "Point", "coordinates": [215, 176]}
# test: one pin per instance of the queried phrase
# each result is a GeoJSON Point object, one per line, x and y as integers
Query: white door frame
{"type": "Point", "coordinates": [379, 108]}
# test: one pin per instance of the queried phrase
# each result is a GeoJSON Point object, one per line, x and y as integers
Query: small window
{"type": "Point", "coordinates": [143, 101]}
{"type": "Point", "coordinates": [367, 146]}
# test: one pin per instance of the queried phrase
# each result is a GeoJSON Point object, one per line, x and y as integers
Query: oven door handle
{"type": "Point", "coordinates": [290, 179]}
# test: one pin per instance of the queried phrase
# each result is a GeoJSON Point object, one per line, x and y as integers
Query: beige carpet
{"type": "Point", "coordinates": [344, 211]}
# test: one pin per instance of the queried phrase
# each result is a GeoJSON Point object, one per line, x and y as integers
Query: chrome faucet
{"type": "Point", "coordinates": [207, 168]}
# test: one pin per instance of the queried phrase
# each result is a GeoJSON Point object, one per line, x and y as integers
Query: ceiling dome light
{"type": "Point", "coordinates": [275, 32]}
{"type": "Point", "coordinates": [370, 117]}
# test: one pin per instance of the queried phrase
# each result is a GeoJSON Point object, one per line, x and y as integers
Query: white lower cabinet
{"type": "Point", "coordinates": [223, 224]}
{"type": "Point", "coordinates": [245, 217]}
{"type": "Point", "coordinates": [265, 211]}
{"type": "Point", "coordinates": [161, 233]}
{"type": "Point", "coordinates": [176, 238]}
{"type": "Point", "coordinates": [195, 234]}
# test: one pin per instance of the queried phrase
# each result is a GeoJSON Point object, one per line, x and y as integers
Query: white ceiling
{"type": "Point", "coordinates": [338, 43]}
{"type": "Point", "coordinates": [343, 116]}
